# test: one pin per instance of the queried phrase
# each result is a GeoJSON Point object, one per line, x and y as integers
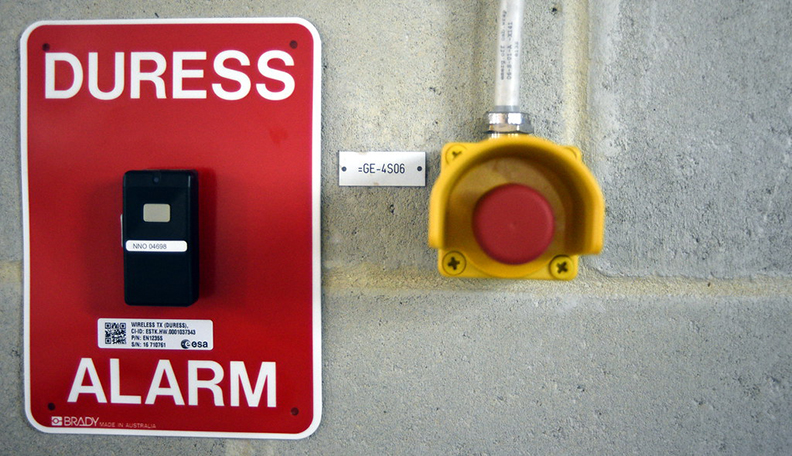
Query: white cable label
{"type": "Point", "coordinates": [156, 246]}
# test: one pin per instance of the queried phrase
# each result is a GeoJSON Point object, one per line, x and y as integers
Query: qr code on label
{"type": "Point", "coordinates": [115, 333]}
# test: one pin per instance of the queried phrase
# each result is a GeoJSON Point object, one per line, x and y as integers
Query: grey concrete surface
{"type": "Point", "coordinates": [675, 340]}
{"type": "Point", "coordinates": [691, 134]}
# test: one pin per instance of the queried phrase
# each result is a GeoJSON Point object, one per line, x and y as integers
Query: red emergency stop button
{"type": "Point", "coordinates": [513, 223]}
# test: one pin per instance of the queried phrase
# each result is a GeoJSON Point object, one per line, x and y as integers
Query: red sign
{"type": "Point", "coordinates": [238, 101]}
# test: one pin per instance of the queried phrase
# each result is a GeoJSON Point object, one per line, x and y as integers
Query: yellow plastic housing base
{"type": "Point", "coordinates": [470, 170]}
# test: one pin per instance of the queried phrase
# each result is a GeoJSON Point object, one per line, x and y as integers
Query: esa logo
{"type": "Point", "coordinates": [187, 344]}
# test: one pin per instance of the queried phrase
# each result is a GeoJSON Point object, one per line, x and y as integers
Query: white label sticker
{"type": "Point", "coordinates": [147, 334]}
{"type": "Point", "coordinates": [382, 169]}
{"type": "Point", "coordinates": [156, 246]}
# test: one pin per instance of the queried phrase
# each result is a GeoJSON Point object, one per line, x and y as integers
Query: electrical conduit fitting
{"type": "Point", "coordinates": [508, 123]}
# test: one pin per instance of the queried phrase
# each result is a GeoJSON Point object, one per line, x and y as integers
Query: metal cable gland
{"type": "Point", "coordinates": [508, 122]}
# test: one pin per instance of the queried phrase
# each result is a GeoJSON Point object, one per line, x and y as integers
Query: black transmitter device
{"type": "Point", "coordinates": [160, 237]}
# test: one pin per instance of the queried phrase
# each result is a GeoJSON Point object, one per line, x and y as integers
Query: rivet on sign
{"type": "Point", "coordinates": [454, 263]}
{"type": "Point", "coordinates": [562, 267]}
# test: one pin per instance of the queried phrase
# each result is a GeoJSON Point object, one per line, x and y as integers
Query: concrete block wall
{"type": "Point", "coordinates": [675, 340]}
